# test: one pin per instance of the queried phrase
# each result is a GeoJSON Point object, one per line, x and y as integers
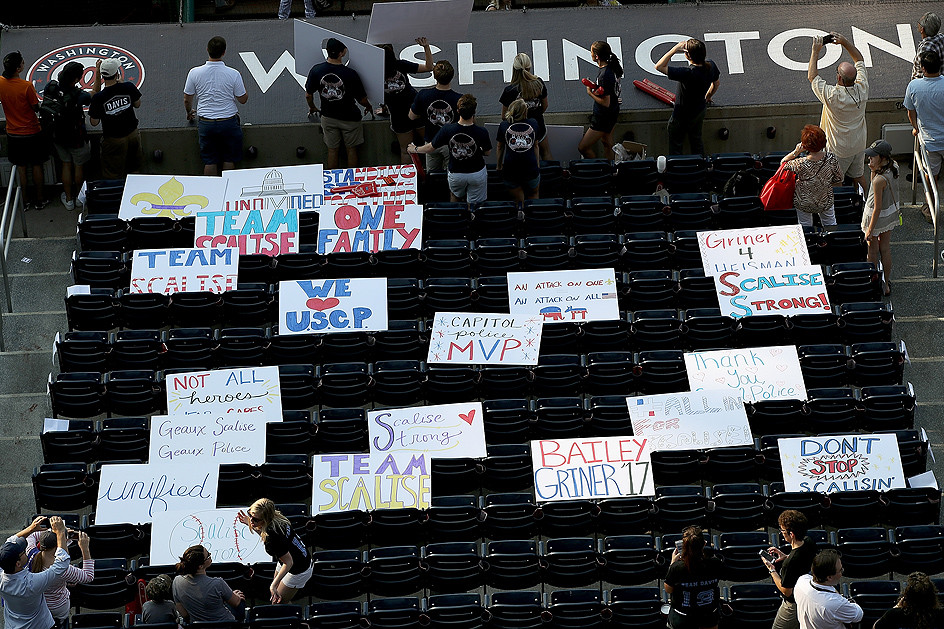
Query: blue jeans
{"type": "Point", "coordinates": [285, 8]}
{"type": "Point", "coordinates": [678, 128]}
{"type": "Point", "coordinates": [220, 140]}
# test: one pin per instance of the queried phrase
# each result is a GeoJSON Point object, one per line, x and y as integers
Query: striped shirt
{"type": "Point", "coordinates": [936, 44]}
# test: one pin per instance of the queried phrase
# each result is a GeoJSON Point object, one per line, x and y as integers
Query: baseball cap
{"type": "Point", "coordinates": [110, 68]}
{"type": "Point", "coordinates": [10, 553]}
{"type": "Point", "coordinates": [879, 147]}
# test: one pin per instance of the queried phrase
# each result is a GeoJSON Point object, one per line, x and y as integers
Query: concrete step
{"type": "Point", "coordinates": [52, 220]}
{"type": "Point", "coordinates": [39, 292]}
{"type": "Point", "coordinates": [23, 414]}
{"type": "Point", "coordinates": [24, 372]}
{"type": "Point", "coordinates": [46, 255]}
{"type": "Point", "coordinates": [19, 504]}
{"type": "Point", "coordinates": [32, 331]}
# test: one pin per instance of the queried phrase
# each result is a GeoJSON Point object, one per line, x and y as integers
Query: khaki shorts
{"type": "Point", "coordinates": [852, 166]}
{"type": "Point", "coordinates": [352, 132]}
{"type": "Point", "coordinates": [78, 156]}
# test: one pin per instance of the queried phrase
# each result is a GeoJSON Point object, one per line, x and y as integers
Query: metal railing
{"type": "Point", "coordinates": [13, 205]}
{"type": "Point", "coordinates": [931, 197]}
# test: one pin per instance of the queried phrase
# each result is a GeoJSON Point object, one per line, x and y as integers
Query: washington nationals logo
{"type": "Point", "coordinates": [46, 68]}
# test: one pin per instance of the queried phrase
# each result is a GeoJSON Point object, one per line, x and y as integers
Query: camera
{"type": "Point", "coordinates": [829, 39]}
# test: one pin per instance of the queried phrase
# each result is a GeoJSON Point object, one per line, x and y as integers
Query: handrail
{"type": "Point", "coordinates": [931, 195]}
{"type": "Point", "coordinates": [12, 205]}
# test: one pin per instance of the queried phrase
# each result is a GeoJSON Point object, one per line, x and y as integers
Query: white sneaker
{"type": "Point", "coordinates": [70, 205]}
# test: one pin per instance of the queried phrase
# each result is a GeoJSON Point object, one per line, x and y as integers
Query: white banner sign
{"type": "Point", "coordinates": [753, 249]}
{"type": "Point", "coordinates": [369, 228]}
{"type": "Point", "coordinates": [364, 482]}
{"type": "Point", "coordinates": [464, 338]}
{"type": "Point", "coordinates": [689, 421]}
{"type": "Point", "coordinates": [442, 431]}
{"type": "Point", "coordinates": [135, 493]}
{"type": "Point", "coordinates": [336, 305]}
{"type": "Point", "coordinates": [402, 22]}
{"type": "Point", "coordinates": [229, 394]}
{"type": "Point", "coordinates": [393, 185]}
{"type": "Point", "coordinates": [217, 530]}
{"type": "Point", "coordinates": [278, 188]}
{"type": "Point", "coordinates": [754, 374]}
{"type": "Point", "coordinates": [563, 296]}
{"type": "Point", "coordinates": [171, 196]}
{"type": "Point", "coordinates": [842, 463]}
{"type": "Point", "coordinates": [798, 290]}
{"type": "Point", "coordinates": [608, 467]}
{"type": "Point", "coordinates": [169, 271]}
{"type": "Point", "coordinates": [207, 437]}
{"type": "Point", "coordinates": [266, 232]}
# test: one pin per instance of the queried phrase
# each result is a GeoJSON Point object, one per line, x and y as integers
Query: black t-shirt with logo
{"type": "Point", "coordinates": [436, 108]}
{"type": "Point", "coordinates": [114, 106]}
{"type": "Point", "coordinates": [398, 93]}
{"type": "Point", "coordinates": [467, 146]}
{"type": "Point", "coordinates": [535, 105]}
{"type": "Point", "coordinates": [612, 86]}
{"type": "Point", "coordinates": [277, 544]}
{"type": "Point", "coordinates": [339, 88]}
{"type": "Point", "coordinates": [693, 84]}
{"type": "Point", "coordinates": [696, 594]}
{"type": "Point", "coordinates": [519, 161]}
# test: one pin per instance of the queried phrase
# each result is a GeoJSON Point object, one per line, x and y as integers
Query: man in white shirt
{"type": "Point", "coordinates": [819, 605]}
{"type": "Point", "coordinates": [23, 604]}
{"type": "Point", "coordinates": [843, 117]}
{"type": "Point", "coordinates": [218, 89]}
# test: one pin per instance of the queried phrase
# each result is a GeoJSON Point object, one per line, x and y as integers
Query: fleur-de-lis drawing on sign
{"type": "Point", "coordinates": [171, 202]}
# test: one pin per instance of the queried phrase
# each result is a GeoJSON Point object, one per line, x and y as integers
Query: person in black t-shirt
{"type": "Point", "coordinates": [339, 89]}
{"type": "Point", "coordinates": [283, 543]}
{"type": "Point", "coordinates": [70, 140]}
{"type": "Point", "coordinates": [532, 90]}
{"type": "Point", "coordinates": [793, 527]}
{"type": "Point", "coordinates": [606, 101]}
{"type": "Point", "coordinates": [697, 83]}
{"type": "Point", "coordinates": [919, 606]}
{"type": "Point", "coordinates": [518, 153]}
{"type": "Point", "coordinates": [692, 583]}
{"type": "Point", "coordinates": [434, 108]}
{"type": "Point", "coordinates": [468, 144]}
{"type": "Point", "coordinates": [114, 107]}
{"type": "Point", "coordinates": [399, 94]}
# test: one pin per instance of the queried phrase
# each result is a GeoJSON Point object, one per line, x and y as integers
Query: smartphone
{"type": "Point", "coordinates": [678, 545]}
{"type": "Point", "coordinates": [767, 555]}
{"type": "Point", "coordinates": [829, 39]}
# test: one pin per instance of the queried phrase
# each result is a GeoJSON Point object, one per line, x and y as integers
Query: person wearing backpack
{"type": "Point", "coordinates": [69, 136]}
{"type": "Point", "coordinates": [26, 145]}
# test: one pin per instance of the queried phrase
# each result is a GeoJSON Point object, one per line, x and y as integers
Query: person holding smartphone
{"type": "Point", "coordinates": [42, 558]}
{"type": "Point", "coordinates": [22, 590]}
{"type": "Point", "coordinates": [793, 528]}
{"type": "Point", "coordinates": [692, 583]}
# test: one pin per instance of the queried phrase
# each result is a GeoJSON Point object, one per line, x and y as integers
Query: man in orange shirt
{"type": "Point", "coordinates": [26, 144]}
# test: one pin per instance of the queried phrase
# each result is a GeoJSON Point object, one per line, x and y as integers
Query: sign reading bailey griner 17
{"type": "Point", "coordinates": [266, 232]}
{"type": "Point", "coordinates": [369, 228]}
{"type": "Point", "coordinates": [335, 305]}
{"type": "Point", "coordinates": [169, 271]}
{"type": "Point", "coordinates": [797, 290]}
{"type": "Point", "coordinates": [753, 249]}
{"type": "Point", "coordinates": [608, 467]}
{"type": "Point", "coordinates": [842, 463]}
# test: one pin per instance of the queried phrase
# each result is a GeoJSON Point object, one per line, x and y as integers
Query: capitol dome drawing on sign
{"type": "Point", "coordinates": [272, 185]}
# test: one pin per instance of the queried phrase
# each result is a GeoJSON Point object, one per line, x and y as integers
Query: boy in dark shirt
{"type": "Point", "coordinates": [697, 83]}
{"type": "Point", "coordinates": [793, 527]}
{"type": "Point", "coordinates": [434, 108]}
{"type": "Point", "coordinates": [114, 107]}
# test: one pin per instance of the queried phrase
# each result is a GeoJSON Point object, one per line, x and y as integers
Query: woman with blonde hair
{"type": "Point", "coordinates": [283, 544]}
{"type": "Point", "coordinates": [518, 155]}
{"type": "Point", "coordinates": [532, 90]}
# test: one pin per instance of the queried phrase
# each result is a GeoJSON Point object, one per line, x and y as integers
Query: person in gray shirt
{"type": "Point", "coordinates": [199, 597]}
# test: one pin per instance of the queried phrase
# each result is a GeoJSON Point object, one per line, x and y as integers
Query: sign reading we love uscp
{"type": "Point", "coordinates": [335, 305]}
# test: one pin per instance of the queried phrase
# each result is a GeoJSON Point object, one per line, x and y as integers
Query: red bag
{"type": "Point", "coordinates": [778, 191]}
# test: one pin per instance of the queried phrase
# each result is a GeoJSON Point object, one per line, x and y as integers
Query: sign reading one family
{"type": "Point", "coordinates": [279, 188]}
{"type": "Point", "coordinates": [171, 196]}
{"type": "Point", "coordinates": [841, 463]}
{"type": "Point", "coordinates": [563, 296]}
{"type": "Point", "coordinates": [226, 395]}
{"type": "Point", "coordinates": [754, 374]}
{"type": "Point", "coordinates": [442, 431]}
{"type": "Point", "coordinates": [217, 530]}
{"type": "Point", "coordinates": [689, 421]}
{"type": "Point", "coordinates": [207, 437]}
{"type": "Point", "coordinates": [758, 248]}
{"type": "Point", "coordinates": [266, 232]}
{"type": "Point", "coordinates": [336, 305]}
{"type": "Point", "coordinates": [135, 493]}
{"type": "Point", "coordinates": [394, 185]}
{"type": "Point", "coordinates": [797, 290]}
{"type": "Point", "coordinates": [369, 228]}
{"type": "Point", "coordinates": [608, 467]}
{"type": "Point", "coordinates": [379, 480]}
{"type": "Point", "coordinates": [169, 271]}
{"type": "Point", "coordinates": [466, 338]}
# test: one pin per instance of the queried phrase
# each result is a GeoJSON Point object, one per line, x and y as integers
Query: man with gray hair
{"type": "Point", "coordinates": [843, 117]}
{"type": "Point", "coordinates": [924, 101]}
{"type": "Point", "coordinates": [929, 27]}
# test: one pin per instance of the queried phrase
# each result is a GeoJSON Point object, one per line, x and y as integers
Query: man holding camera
{"type": "Point", "coordinates": [843, 117]}
{"type": "Point", "coordinates": [23, 604]}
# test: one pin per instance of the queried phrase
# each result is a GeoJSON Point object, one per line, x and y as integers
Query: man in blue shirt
{"type": "Point", "coordinates": [23, 604]}
{"type": "Point", "coordinates": [924, 100]}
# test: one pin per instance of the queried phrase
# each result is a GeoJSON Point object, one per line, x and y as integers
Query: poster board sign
{"type": "Point", "coordinates": [169, 271]}
{"type": "Point", "coordinates": [441, 431]}
{"type": "Point", "coordinates": [170, 196]}
{"type": "Point", "coordinates": [753, 249]}
{"type": "Point", "coordinates": [689, 421]}
{"type": "Point", "coordinates": [207, 437]}
{"type": "Point", "coordinates": [465, 338]}
{"type": "Point", "coordinates": [369, 228]}
{"type": "Point", "coordinates": [218, 530]}
{"type": "Point", "coordinates": [266, 232]}
{"type": "Point", "coordinates": [402, 22]}
{"type": "Point", "coordinates": [366, 59]}
{"type": "Point", "coordinates": [278, 188]}
{"type": "Point", "coordinates": [226, 395]}
{"type": "Point", "coordinates": [335, 305]}
{"type": "Point", "coordinates": [364, 482]}
{"type": "Point", "coordinates": [564, 296]}
{"type": "Point", "coordinates": [135, 493]}
{"type": "Point", "coordinates": [394, 185]}
{"type": "Point", "coordinates": [754, 374]}
{"type": "Point", "coordinates": [608, 467]}
{"type": "Point", "coordinates": [792, 291]}
{"type": "Point", "coordinates": [842, 463]}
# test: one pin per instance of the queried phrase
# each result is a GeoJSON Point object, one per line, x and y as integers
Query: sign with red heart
{"type": "Point", "coordinates": [334, 305]}
{"type": "Point", "coordinates": [754, 374]}
{"type": "Point", "coordinates": [441, 431]}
